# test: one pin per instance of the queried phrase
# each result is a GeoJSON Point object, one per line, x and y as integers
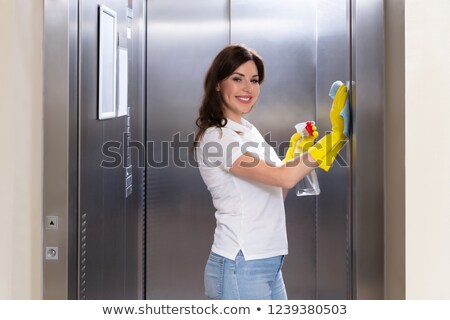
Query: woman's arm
{"type": "Point", "coordinates": [286, 176]}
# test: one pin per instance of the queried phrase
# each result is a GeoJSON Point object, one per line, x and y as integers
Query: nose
{"type": "Point", "coordinates": [248, 86]}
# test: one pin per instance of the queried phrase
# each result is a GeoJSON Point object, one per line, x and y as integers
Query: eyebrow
{"type": "Point", "coordinates": [243, 75]}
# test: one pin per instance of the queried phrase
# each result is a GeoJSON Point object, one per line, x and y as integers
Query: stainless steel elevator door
{"type": "Point", "coordinates": [284, 33]}
{"type": "Point", "coordinates": [183, 38]}
{"type": "Point", "coordinates": [334, 249]}
{"type": "Point", "coordinates": [305, 45]}
{"type": "Point", "coordinates": [294, 38]}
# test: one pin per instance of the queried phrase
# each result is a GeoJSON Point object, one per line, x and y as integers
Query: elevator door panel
{"type": "Point", "coordinates": [305, 45]}
{"type": "Point", "coordinates": [284, 33]}
{"type": "Point", "coordinates": [333, 209]}
{"type": "Point", "coordinates": [183, 38]}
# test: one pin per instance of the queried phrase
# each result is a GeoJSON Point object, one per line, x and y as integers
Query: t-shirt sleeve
{"type": "Point", "coordinates": [220, 147]}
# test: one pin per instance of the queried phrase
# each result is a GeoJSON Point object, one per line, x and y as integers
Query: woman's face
{"type": "Point", "coordinates": [240, 91]}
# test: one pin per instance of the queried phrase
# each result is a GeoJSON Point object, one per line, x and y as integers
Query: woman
{"type": "Point", "coordinates": [247, 181]}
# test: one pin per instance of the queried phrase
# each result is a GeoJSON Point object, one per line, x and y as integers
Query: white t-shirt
{"type": "Point", "coordinates": [250, 215]}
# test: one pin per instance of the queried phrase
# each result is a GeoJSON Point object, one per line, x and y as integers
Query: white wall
{"type": "Point", "coordinates": [427, 149]}
{"type": "Point", "coordinates": [21, 148]}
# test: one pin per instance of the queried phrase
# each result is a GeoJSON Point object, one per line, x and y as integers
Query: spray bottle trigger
{"type": "Point", "coordinates": [309, 129]}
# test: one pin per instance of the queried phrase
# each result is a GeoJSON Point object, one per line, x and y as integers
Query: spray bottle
{"type": "Point", "coordinates": [309, 185]}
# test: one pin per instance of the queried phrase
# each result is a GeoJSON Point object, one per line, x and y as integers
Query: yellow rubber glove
{"type": "Point", "coordinates": [300, 143]}
{"type": "Point", "coordinates": [327, 148]}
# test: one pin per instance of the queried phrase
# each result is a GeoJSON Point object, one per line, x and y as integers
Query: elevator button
{"type": "Point", "coordinates": [51, 253]}
{"type": "Point", "coordinates": [51, 222]}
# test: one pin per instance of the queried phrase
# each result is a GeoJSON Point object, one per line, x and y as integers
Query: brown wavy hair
{"type": "Point", "coordinates": [223, 65]}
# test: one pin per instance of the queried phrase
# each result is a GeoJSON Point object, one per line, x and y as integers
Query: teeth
{"type": "Point", "coordinates": [244, 99]}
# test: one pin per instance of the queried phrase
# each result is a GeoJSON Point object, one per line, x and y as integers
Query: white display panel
{"type": "Point", "coordinates": [107, 63]}
{"type": "Point", "coordinates": [122, 103]}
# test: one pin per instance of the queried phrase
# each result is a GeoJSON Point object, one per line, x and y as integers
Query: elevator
{"type": "Point", "coordinates": [94, 183]}
{"type": "Point", "coordinates": [152, 241]}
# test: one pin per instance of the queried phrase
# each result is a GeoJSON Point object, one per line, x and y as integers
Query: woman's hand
{"type": "Point", "coordinates": [325, 150]}
{"type": "Point", "coordinates": [299, 143]}
{"type": "Point", "coordinates": [340, 110]}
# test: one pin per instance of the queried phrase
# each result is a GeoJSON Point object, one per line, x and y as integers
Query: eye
{"type": "Point", "coordinates": [237, 79]}
{"type": "Point", "coordinates": [255, 81]}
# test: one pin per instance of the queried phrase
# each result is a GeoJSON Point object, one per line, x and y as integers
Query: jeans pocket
{"type": "Point", "coordinates": [214, 276]}
{"type": "Point", "coordinates": [281, 263]}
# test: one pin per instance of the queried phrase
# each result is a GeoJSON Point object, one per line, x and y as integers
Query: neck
{"type": "Point", "coordinates": [236, 118]}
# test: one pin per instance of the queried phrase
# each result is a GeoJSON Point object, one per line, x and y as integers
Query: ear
{"type": "Point", "coordinates": [218, 87]}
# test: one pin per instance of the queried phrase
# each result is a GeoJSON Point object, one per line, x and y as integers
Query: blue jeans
{"type": "Point", "coordinates": [259, 279]}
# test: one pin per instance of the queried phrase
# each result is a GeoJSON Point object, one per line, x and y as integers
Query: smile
{"type": "Point", "coordinates": [244, 99]}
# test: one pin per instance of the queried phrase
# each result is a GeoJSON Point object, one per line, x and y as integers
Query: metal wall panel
{"type": "Point", "coordinates": [60, 198]}
{"type": "Point", "coordinates": [182, 39]}
{"type": "Point", "coordinates": [284, 33]}
{"type": "Point", "coordinates": [368, 148]}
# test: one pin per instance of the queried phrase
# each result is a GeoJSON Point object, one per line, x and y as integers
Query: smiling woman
{"type": "Point", "coordinates": [247, 180]}
{"type": "Point", "coordinates": [231, 69]}
{"type": "Point", "coordinates": [250, 239]}
{"type": "Point", "coordinates": [240, 91]}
